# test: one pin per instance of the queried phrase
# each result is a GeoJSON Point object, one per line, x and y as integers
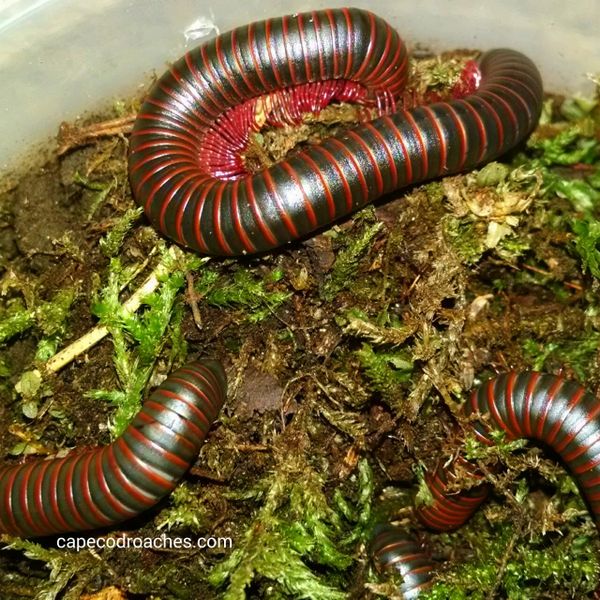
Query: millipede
{"type": "Point", "coordinates": [108, 485]}
{"type": "Point", "coordinates": [549, 409]}
{"type": "Point", "coordinates": [187, 170]}
{"type": "Point", "coordinates": [182, 163]}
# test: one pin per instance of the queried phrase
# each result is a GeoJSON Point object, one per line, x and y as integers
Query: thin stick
{"type": "Point", "coordinates": [70, 137]}
{"type": "Point", "coordinates": [92, 337]}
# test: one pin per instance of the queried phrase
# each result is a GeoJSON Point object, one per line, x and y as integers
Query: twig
{"type": "Point", "coordinates": [570, 284]}
{"type": "Point", "coordinates": [92, 337]}
{"type": "Point", "coordinates": [70, 137]}
{"type": "Point", "coordinates": [193, 298]}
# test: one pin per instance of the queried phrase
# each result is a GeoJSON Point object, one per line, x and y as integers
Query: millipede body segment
{"type": "Point", "coordinates": [549, 409]}
{"type": "Point", "coordinates": [392, 549]}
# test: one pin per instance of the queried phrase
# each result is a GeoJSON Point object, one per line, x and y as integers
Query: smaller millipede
{"type": "Point", "coordinates": [548, 409]}
{"type": "Point", "coordinates": [108, 485]}
{"type": "Point", "coordinates": [392, 549]}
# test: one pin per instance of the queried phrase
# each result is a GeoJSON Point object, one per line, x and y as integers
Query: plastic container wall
{"type": "Point", "coordinates": [61, 57]}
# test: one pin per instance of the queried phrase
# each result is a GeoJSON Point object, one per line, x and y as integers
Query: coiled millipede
{"type": "Point", "coordinates": [202, 198]}
{"type": "Point", "coordinates": [187, 171]}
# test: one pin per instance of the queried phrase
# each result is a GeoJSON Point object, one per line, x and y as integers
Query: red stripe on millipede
{"type": "Point", "coordinates": [105, 490]}
{"type": "Point", "coordinates": [349, 39]}
{"type": "Point", "coordinates": [192, 387]}
{"type": "Point", "coordinates": [131, 489]}
{"type": "Point", "coordinates": [237, 219]}
{"type": "Point", "coordinates": [39, 495]}
{"type": "Point", "coordinates": [70, 493]}
{"type": "Point", "coordinates": [491, 404]}
{"type": "Point", "coordinates": [53, 500]}
{"type": "Point", "coordinates": [496, 118]}
{"type": "Point", "coordinates": [144, 440]}
{"type": "Point", "coordinates": [440, 137]}
{"type": "Point", "coordinates": [359, 74]}
{"type": "Point", "coordinates": [216, 81]}
{"type": "Point", "coordinates": [269, 44]}
{"type": "Point", "coordinates": [529, 391]}
{"type": "Point", "coordinates": [350, 156]}
{"type": "Point", "coordinates": [258, 218]}
{"type": "Point", "coordinates": [391, 164]}
{"type": "Point", "coordinates": [312, 218]}
{"type": "Point", "coordinates": [291, 68]}
{"type": "Point", "coordinates": [200, 372]}
{"type": "Point", "coordinates": [305, 53]}
{"type": "Point", "coordinates": [256, 60]}
{"type": "Point", "coordinates": [227, 70]}
{"type": "Point", "coordinates": [384, 57]}
{"type": "Point", "coordinates": [146, 469]}
{"type": "Point", "coordinates": [333, 161]}
{"type": "Point", "coordinates": [285, 217]}
{"type": "Point", "coordinates": [483, 140]}
{"type": "Point", "coordinates": [508, 90]}
{"type": "Point", "coordinates": [385, 75]}
{"type": "Point", "coordinates": [199, 205]}
{"type": "Point", "coordinates": [203, 85]}
{"type": "Point", "coordinates": [328, 195]}
{"type": "Point", "coordinates": [216, 220]}
{"type": "Point", "coordinates": [408, 172]}
{"type": "Point", "coordinates": [510, 407]}
{"type": "Point", "coordinates": [514, 121]}
{"type": "Point", "coordinates": [420, 141]}
{"type": "Point", "coordinates": [151, 420]}
{"type": "Point", "coordinates": [372, 159]}
{"type": "Point", "coordinates": [241, 69]}
{"type": "Point", "coordinates": [100, 517]}
{"type": "Point", "coordinates": [334, 43]}
{"type": "Point", "coordinates": [548, 400]}
{"type": "Point", "coordinates": [7, 500]}
{"type": "Point", "coordinates": [317, 29]}
{"type": "Point", "coordinates": [573, 433]}
{"type": "Point", "coordinates": [195, 123]}
{"type": "Point", "coordinates": [573, 402]}
{"type": "Point", "coordinates": [23, 496]}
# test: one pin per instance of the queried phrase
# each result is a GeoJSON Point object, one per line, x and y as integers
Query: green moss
{"type": "Point", "coordinates": [186, 510]}
{"type": "Point", "coordinates": [386, 371]}
{"type": "Point", "coordinates": [138, 338]}
{"type": "Point", "coordinates": [49, 317]}
{"type": "Point", "coordinates": [111, 243]}
{"type": "Point", "coordinates": [387, 330]}
{"type": "Point", "coordinates": [467, 237]}
{"type": "Point", "coordinates": [355, 248]}
{"type": "Point", "coordinates": [572, 145]}
{"type": "Point", "coordinates": [586, 243]}
{"type": "Point", "coordinates": [577, 108]}
{"type": "Point", "coordinates": [293, 532]}
{"type": "Point", "coordinates": [70, 572]}
{"type": "Point", "coordinates": [529, 568]}
{"type": "Point", "coordinates": [100, 192]}
{"type": "Point", "coordinates": [257, 297]}
{"type": "Point", "coordinates": [579, 354]}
